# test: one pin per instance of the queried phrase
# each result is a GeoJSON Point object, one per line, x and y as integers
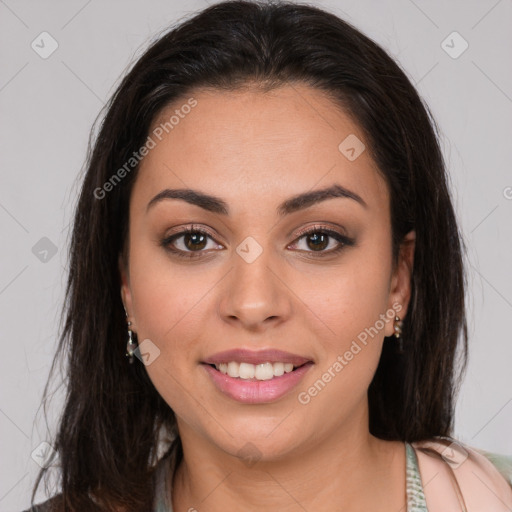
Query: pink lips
{"type": "Point", "coordinates": [254, 391]}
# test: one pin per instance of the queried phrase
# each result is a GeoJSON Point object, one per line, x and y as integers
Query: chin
{"type": "Point", "coordinates": [258, 444]}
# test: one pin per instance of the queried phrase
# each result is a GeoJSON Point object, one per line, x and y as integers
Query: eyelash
{"type": "Point", "coordinates": [341, 239]}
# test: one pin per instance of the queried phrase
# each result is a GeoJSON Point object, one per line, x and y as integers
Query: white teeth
{"type": "Point", "coordinates": [246, 370]}
{"type": "Point", "coordinates": [278, 369]}
{"type": "Point", "coordinates": [233, 369]}
{"type": "Point", "coordinates": [264, 371]}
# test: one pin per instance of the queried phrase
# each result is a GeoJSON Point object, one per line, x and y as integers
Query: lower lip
{"type": "Point", "coordinates": [256, 392]}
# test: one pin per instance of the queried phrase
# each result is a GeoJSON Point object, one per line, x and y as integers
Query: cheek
{"type": "Point", "coordinates": [352, 308]}
{"type": "Point", "coordinates": [166, 304]}
{"type": "Point", "coordinates": [167, 301]}
{"type": "Point", "coordinates": [164, 294]}
{"type": "Point", "coordinates": [354, 297]}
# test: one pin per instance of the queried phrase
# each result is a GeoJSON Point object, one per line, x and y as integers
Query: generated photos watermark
{"type": "Point", "coordinates": [342, 360]}
{"type": "Point", "coordinates": [158, 133]}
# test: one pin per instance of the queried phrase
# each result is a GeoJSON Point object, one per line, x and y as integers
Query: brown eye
{"type": "Point", "coordinates": [318, 239]}
{"type": "Point", "coordinates": [194, 241]}
{"type": "Point", "coordinates": [189, 243]}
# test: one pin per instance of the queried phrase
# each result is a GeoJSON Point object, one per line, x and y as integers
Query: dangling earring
{"type": "Point", "coordinates": [398, 332]}
{"type": "Point", "coordinates": [131, 345]}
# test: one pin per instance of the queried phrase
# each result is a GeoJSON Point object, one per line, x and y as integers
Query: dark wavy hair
{"type": "Point", "coordinates": [109, 432]}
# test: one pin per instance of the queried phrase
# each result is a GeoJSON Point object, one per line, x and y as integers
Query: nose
{"type": "Point", "coordinates": [255, 294]}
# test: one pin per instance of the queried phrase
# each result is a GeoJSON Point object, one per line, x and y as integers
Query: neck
{"type": "Point", "coordinates": [331, 472]}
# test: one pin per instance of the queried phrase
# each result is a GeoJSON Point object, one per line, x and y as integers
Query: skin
{"type": "Point", "coordinates": [254, 150]}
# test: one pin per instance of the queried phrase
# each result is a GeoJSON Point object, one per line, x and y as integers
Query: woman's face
{"type": "Point", "coordinates": [255, 282]}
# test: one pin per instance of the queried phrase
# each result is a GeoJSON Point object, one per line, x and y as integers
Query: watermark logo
{"type": "Point", "coordinates": [43, 454]}
{"type": "Point", "coordinates": [351, 147]}
{"type": "Point", "coordinates": [147, 352]}
{"type": "Point", "coordinates": [454, 45]}
{"type": "Point", "coordinates": [249, 249]}
{"type": "Point", "coordinates": [44, 45]}
{"type": "Point", "coordinates": [44, 250]}
{"type": "Point", "coordinates": [455, 455]}
{"type": "Point", "coordinates": [250, 454]}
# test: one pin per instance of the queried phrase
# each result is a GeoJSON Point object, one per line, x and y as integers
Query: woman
{"type": "Point", "coordinates": [266, 232]}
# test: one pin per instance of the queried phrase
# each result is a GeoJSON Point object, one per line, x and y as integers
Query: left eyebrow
{"type": "Point", "coordinates": [307, 199]}
{"type": "Point", "coordinates": [295, 203]}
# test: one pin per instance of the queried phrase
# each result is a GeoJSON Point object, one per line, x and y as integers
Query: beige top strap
{"type": "Point", "coordinates": [456, 478]}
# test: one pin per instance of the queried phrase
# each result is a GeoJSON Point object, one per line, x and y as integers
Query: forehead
{"type": "Point", "coordinates": [261, 144]}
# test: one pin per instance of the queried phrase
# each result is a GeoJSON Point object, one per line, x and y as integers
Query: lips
{"type": "Point", "coordinates": [263, 387]}
{"type": "Point", "coordinates": [257, 357]}
{"type": "Point", "coordinates": [254, 391]}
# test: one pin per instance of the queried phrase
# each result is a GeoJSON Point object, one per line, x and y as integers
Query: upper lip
{"type": "Point", "coordinates": [256, 357]}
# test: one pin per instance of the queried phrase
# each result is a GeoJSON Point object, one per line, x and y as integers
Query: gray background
{"type": "Point", "coordinates": [48, 107]}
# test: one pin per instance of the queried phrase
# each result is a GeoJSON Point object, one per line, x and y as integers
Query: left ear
{"type": "Point", "coordinates": [400, 289]}
{"type": "Point", "coordinates": [126, 295]}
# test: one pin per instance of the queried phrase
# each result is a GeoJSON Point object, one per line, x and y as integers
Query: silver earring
{"type": "Point", "coordinates": [398, 334]}
{"type": "Point", "coordinates": [131, 345]}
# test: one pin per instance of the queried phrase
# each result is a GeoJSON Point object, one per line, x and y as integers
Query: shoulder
{"type": "Point", "coordinates": [503, 463]}
{"type": "Point", "coordinates": [55, 504]}
{"type": "Point", "coordinates": [454, 474]}
{"type": "Point", "coordinates": [166, 464]}
{"type": "Point", "coordinates": [52, 505]}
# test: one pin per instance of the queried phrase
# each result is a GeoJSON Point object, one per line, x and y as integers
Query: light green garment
{"type": "Point", "coordinates": [502, 462]}
{"type": "Point", "coordinates": [414, 488]}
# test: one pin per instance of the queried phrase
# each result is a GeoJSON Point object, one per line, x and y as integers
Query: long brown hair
{"type": "Point", "coordinates": [107, 440]}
